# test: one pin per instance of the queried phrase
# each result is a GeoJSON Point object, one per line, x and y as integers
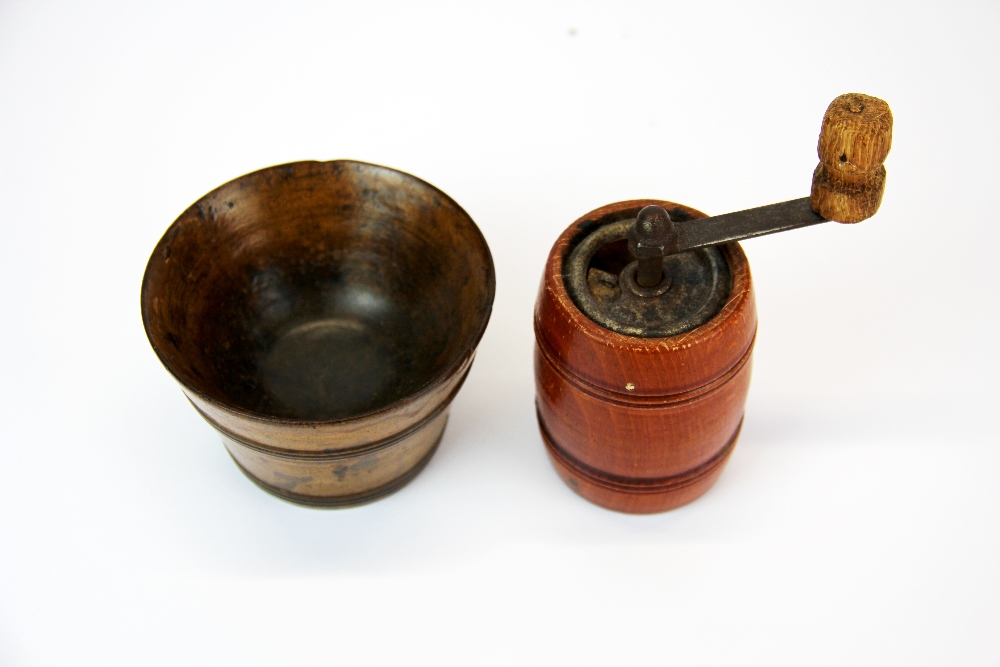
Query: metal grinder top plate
{"type": "Point", "coordinates": [600, 277]}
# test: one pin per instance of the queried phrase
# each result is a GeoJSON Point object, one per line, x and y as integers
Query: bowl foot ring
{"type": "Point", "coordinates": [342, 502]}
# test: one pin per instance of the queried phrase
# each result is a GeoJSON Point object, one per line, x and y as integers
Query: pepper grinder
{"type": "Point", "coordinates": [645, 325]}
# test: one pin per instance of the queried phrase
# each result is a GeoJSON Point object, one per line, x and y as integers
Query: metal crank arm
{"type": "Point", "coordinates": [746, 224]}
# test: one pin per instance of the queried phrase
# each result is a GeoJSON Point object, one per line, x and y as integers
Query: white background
{"type": "Point", "coordinates": [858, 521]}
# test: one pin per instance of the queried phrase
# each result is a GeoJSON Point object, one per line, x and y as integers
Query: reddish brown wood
{"type": "Point", "coordinates": [640, 424]}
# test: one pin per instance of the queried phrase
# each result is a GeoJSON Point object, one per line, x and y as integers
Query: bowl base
{"type": "Point", "coordinates": [343, 502]}
{"type": "Point", "coordinates": [331, 368]}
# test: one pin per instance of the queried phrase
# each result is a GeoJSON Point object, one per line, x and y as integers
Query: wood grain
{"type": "Point", "coordinates": [854, 141]}
{"type": "Point", "coordinates": [321, 316]}
{"type": "Point", "coordinates": [640, 424]}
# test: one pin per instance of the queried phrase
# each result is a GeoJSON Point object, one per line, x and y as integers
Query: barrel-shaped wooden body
{"type": "Point", "coordinates": [636, 424]}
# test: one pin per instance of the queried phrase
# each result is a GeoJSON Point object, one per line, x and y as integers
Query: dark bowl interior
{"type": "Point", "coordinates": [317, 290]}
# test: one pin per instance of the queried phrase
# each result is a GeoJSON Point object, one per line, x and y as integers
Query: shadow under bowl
{"type": "Point", "coordinates": [321, 316]}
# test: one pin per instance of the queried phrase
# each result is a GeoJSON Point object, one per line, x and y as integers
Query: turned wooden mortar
{"type": "Point", "coordinates": [645, 325]}
{"type": "Point", "coordinates": [321, 316]}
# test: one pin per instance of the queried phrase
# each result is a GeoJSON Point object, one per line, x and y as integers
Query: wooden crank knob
{"type": "Point", "coordinates": [853, 143]}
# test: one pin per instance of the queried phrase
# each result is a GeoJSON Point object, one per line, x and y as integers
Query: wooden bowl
{"type": "Point", "coordinates": [636, 424]}
{"type": "Point", "coordinates": [322, 316]}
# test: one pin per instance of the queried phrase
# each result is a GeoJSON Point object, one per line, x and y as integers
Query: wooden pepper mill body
{"type": "Point", "coordinates": [641, 379]}
{"type": "Point", "coordinates": [635, 424]}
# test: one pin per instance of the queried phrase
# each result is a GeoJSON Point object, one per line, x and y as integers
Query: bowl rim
{"type": "Point", "coordinates": [462, 358]}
